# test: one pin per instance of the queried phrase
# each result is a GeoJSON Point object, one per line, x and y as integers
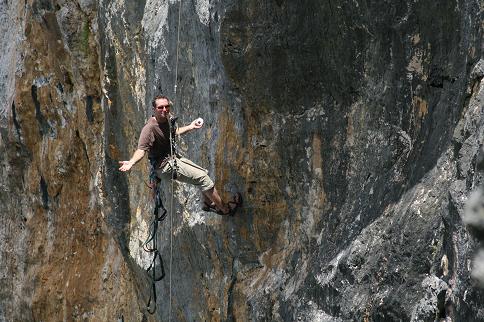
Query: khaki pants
{"type": "Point", "coordinates": [188, 172]}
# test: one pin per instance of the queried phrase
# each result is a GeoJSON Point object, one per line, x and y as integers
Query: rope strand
{"type": "Point", "coordinates": [177, 46]}
{"type": "Point", "coordinates": [173, 176]}
{"type": "Point", "coordinates": [171, 151]}
{"type": "Point", "coordinates": [153, 237]}
{"type": "Point", "coordinates": [171, 232]}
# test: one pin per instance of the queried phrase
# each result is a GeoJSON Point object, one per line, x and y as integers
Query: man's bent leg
{"type": "Point", "coordinates": [191, 173]}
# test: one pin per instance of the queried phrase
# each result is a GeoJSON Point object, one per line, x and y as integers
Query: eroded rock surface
{"type": "Point", "coordinates": [351, 128]}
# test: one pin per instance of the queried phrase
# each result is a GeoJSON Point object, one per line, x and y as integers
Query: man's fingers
{"type": "Point", "coordinates": [124, 166]}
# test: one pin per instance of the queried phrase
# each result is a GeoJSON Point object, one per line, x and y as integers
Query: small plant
{"type": "Point", "coordinates": [85, 36]}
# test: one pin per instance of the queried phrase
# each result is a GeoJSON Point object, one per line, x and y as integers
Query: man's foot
{"type": "Point", "coordinates": [233, 205]}
{"type": "Point", "coordinates": [230, 207]}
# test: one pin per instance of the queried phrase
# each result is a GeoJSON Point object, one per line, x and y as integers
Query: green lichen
{"type": "Point", "coordinates": [85, 36]}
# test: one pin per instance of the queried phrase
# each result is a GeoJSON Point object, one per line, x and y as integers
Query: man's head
{"type": "Point", "coordinates": [161, 107]}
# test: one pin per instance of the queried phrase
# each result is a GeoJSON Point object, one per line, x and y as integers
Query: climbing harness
{"type": "Point", "coordinates": [173, 149]}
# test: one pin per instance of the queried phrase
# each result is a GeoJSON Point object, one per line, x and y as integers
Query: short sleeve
{"type": "Point", "coordinates": [146, 138]}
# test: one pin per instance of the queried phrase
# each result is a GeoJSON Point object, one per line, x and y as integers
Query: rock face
{"type": "Point", "coordinates": [352, 129]}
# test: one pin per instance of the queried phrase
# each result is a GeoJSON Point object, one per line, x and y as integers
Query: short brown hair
{"type": "Point", "coordinates": [157, 97]}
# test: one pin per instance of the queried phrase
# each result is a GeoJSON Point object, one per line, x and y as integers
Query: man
{"type": "Point", "coordinates": [155, 139]}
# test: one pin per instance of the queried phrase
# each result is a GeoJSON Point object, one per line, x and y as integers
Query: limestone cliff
{"type": "Point", "coordinates": [352, 129]}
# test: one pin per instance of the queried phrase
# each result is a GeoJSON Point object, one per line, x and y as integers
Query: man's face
{"type": "Point", "coordinates": [162, 109]}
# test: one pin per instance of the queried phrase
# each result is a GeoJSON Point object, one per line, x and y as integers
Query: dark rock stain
{"type": "Point", "coordinates": [44, 127]}
{"type": "Point", "coordinates": [15, 121]}
{"type": "Point", "coordinates": [89, 110]}
{"type": "Point", "coordinates": [44, 193]}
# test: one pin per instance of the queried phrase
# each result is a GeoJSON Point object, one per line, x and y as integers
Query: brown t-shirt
{"type": "Point", "coordinates": [155, 138]}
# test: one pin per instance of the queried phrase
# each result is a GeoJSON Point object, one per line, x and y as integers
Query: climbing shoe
{"type": "Point", "coordinates": [231, 205]}
{"type": "Point", "coordinates": [234, 204]}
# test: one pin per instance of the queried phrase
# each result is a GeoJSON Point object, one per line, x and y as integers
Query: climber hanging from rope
{"type": "Point", "coordinates": [155, 139]}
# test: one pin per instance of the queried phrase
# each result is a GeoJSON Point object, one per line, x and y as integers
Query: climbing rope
{"type": "Point", "coordinates": [172, 142]}
{"type": "Point", "coordinates": [157, 219]}
{"type": "Point", "coordinates": [173, 177]}
{"type": "Point", "coordinates": [177, 47]}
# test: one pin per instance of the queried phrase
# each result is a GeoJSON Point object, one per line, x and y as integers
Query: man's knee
{"type": "Point", "coordinates": [206, 183]}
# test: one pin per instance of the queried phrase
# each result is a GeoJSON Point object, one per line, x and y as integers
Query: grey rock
{"type": "Point", "coordinates": [352, 128]}
{"type": "Point", "coordinates": [478, 70]}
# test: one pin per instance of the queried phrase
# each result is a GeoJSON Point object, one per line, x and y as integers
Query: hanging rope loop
{"type": "Point", "coordinates": [152, 239]}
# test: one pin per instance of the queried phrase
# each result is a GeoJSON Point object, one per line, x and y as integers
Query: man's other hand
{"type": "Point", "coordinates": [125, 165]}
{"type": "Point", "coordinates": [196, 124]}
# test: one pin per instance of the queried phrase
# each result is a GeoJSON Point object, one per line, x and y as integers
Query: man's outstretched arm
{"type": "Point", "coordinates": [126, 165]}
{"type": "Point", "coordinates": [196, 124]}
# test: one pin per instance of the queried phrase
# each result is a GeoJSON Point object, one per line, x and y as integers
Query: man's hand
{"type": "Point", "coordinates": [125, 165]}
{"type": "Point", "coordinates": [196, 124]}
